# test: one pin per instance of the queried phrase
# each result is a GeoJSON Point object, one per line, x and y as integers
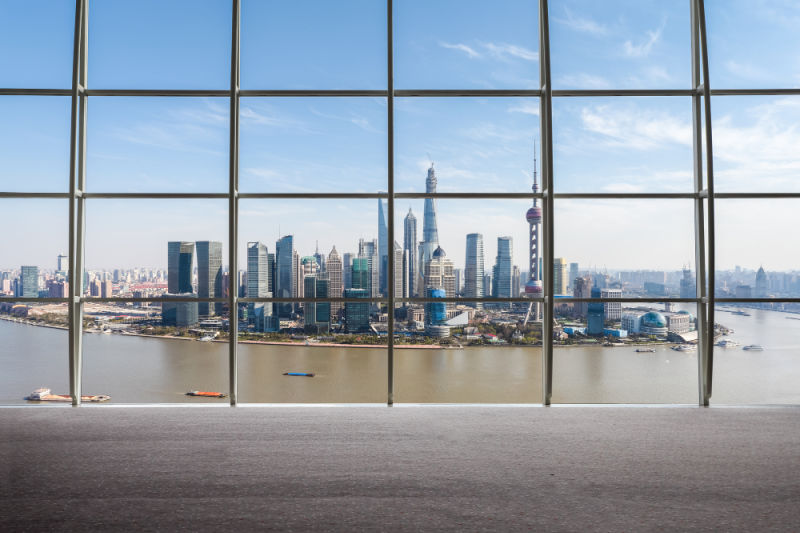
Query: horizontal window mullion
{"type": "Point", "coordinates": [756, 300]}
{"type": "Point", "coordinates": [627, 195]}
{"type": "Point", "coordinates": [35, 92]}
{"type": "Point", "coordinates": [155, 195]}
{"type": "Point", "coordinates": [312, 93]}
{"type": "Point", "coordinates": [469, 300]}
{"type": "Point", "coordinates": [589, 93]}
{"type": "Point", "coordinates": [35, 195]}
{"type": "Point", "coordinates": [628, 299]}
{"type": "Point", "coordinates": [748, 195]}
{"type": "Point", "coordinates": [19, 299]}
{"type": "Point", "coordinates": [754, 92]}
{"type": "Point", "coordinates": [299, 299]}
{"type": "Point", "coordinates": [176, 299]}
{"type": "Point", "coordinates": [467, 195]}
{"type": "Point", "coordinates": [158, 92]}
{"type": "Point", "coordinates": [467, 92]}
{"type": "Point", "coordinates": [311, 195]}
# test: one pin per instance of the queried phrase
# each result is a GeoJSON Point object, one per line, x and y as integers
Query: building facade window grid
{"type": "Point", "coordinates": [703, 195]}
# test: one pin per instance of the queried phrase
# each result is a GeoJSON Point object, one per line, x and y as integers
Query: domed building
{"type": "Point", "coordinates": [654, 323]}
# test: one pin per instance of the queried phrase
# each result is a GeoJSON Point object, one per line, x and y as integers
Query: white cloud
{"type": "Point", "coordinates": [745, 70]}
{"type": "Point", "coordinates": [643, 48]}
{"type": "Point", "coordinates": [583, 81]}
{"type": "Point", "coordinates": [583, 25]}
{"type": "Point", "coordinates": [471, 53]}
{"type": "Point", "coordinates": [528, 108]}
{"type": "Point", "coordinates": [635, 128]}
{"type": "Point", "coordinates": [505, 52]}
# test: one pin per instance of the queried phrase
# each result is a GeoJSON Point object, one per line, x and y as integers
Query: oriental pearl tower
{"type": "Point", "coordinates": [533, 288]}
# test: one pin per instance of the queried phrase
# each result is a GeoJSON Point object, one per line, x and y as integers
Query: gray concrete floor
{"type": "Point", "coordinates": [400, 469]}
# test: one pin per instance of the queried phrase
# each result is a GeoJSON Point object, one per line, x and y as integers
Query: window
{"type": "Point", "coordinates": [369, 202]}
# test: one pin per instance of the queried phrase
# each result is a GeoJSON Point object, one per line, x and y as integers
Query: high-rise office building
{"type": "Point", "coordinates": [29, 282]}
{"type": "Point", "coordinates": [285, 269]}
{"type": "Point", "coordinates": [439, 274]}
{"type": "Point", "coordinates": [360, 275]}
{"type": "Point", "coordinates": [516, 281]}
{"type": "Point", "coordinates": [397, 265]}
{"type": "Point", "coordinates": [474, 269]}
{"type": "Point", "coordinates": [611, 310]}
{"type": "Point", "coordinates": [430, 231]}
{"type": "Point", "coordinates": [106, 289]}
{"type": "Point", "coordinates": [533, 287]}
{"type": "Point", "coordinates": [560, 276]}
{"type": "Point", "coordinates": [347, 271]}
{"type": "Point", "coordinates": [762, 283]}
{"type": "Point", "coordinates": [317, 314]}
{"type": "Point", "coordinates": [180, 259]}
{"type": "Point", "coordinates": [503, 269]}
{"type": "Point", "coordinates": [410, 245]}
{"type": "Point", "coordinates": [335, 288]}
{"type": "Point", "coordinates": [320, 259]}
{"type": "Point", "coordinates": [595, 320]}
{"type": "Point", "coordinates": [258, 278]}
{"type": "Point", "coordinates": [383, 249]}
{"type": "Point", "coordinates": [582, 288]}
{"type": "Point", "coordinates": [574, 272]}
{"type": "Point", "coordinates": [209, 276]}
{"type": "Point", "coordinates": [688, 288]}
{"type": "Point", "coordinates": [356, 315]}
{"type": "Point", "coordinates": [369, 251]}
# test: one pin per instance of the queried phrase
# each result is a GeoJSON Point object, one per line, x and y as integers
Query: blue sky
{"type": "Point", "coordinates": [632, 144]}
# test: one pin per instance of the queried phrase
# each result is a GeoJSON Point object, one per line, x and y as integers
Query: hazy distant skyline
{"type": "Point", "coordinates": [630, 144]}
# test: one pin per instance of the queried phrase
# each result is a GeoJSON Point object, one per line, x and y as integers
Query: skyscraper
{"type": "Point", "coordinates": [573, 273]}
{"type": "Point", "coordinates": [439, 274]}
{"type": "Point", "coordinates": [29, 282]}
{"type": "Point", "coordinates": [688, 288]}
{"type": "Point", "coordinates": [285, 270]}
{"type": "Point", "coordinates": [356, 315]}
{"type": "Point", "coordinates": [257, 271]}
{"type": "Point", "coordinates": [369, 251]}
{"type": "Point", "coordinates": [180, 257]}
{"type": "Point", "coordinates": [430, 232]}
{"type": "Point", "coordinates": [595, 315]}
{"type": "Point", "coordinates": [761, 283]}
{"type": "Point", "coordinates": [383, 248]}
{"type": "Point", "coordinates": [209, 276]}
{"type": "Point", "coordinates": [360, 276]}
{"type": "Point", "coordinates": [560, 276]}
{"type": "Point", "coordinates": [410, 245]}
{"type": "Point", "coordinates": [335, 277]}
{"type": "Point", "coordinates": [533, 287]}
{"type": "Point", "coordinates": [398, 271]}
{"type": "Point", "coordinates": [347, 271]}
{"type": "Point", "coordinates": [474, 269]}
{"type": "Point", "coordinates": [503, 269]}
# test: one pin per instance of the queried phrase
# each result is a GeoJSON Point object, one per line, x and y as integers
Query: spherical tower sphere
{"type": "Point", "coordinates": [654, 319]}
{"type": "Point", "coordinates": [534, 215]}
{"type": "Point", "coordinates": [533, 287]}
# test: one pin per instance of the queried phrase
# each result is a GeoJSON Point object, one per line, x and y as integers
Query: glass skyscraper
{"type": "Point", "coordinates": [209, 276]}
{"type": "Point", "coordinates": [180, 257]}
{"type": "Point", "coordinates": [503, 269]}
{"type": "Point", "coordinates": [474, 269]}
{"type": "Point", "coordinates": [410, 246]}
{"type": "Point", "coordinates": [284, 250]}
{"type": "Point", "coordinates": [29, 282]}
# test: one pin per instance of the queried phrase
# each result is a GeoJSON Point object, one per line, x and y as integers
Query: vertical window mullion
{"type": "Point", "coordinates": [233, 212]}
{"type": "Point", "coordinates": [390, 203]}
{"type": "Point", "coordinates": [546, 132]}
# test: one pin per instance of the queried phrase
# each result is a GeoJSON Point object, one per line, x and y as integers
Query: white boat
{"type": "Point", "coordinates": [727, 343]}
{"type": "Point", "coordinates": [685, 348]}
{"type": "Point", "coordinates": [207, 338]}
{"type": "Point", "coordinates": [38, 394]}
{"type": "Point", "coordinates": [754, 348]}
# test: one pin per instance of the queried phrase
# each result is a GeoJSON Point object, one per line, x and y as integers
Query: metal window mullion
{"type": "Point", "coordinates": [546, 131]}
{"type": "Point", "coordinates": [711, 274]}
{"type": "Point", "coordinates": [77, 150]}
{"type": "Point", "coordinates": [390, 203]}
{"type": "Point", "coordinates": [699, 211]}
{"type": "Point", "coordinates": [233, 211]}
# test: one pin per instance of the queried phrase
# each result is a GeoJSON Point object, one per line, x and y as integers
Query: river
{"type": "Point", "coordinates": [151, 370]}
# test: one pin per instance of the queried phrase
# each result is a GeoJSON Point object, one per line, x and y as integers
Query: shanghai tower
{"type": "Point", "coordinates": [430, 232]}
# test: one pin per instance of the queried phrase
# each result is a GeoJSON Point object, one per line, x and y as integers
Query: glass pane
{"type": "Point", "coordinates": [36, 43]}
{"type": "Point", "coordinates": [466, 44]}
{"type": "Point", "coordinates": [755, 354]}
{"type": "Point", "coordinates": [33, 261]}
{"type": "Point", "coordinates": [307, 357]}
{"type": "Point", "coordinates": [34, 143]}
{"type": "Point", "coordinates": [313, 145]}
{"type": "Point", "coordinates": [33, 353]}
{"type": "Point", "coordinates": [753, 261]}
{"type": "Point", "coordinates": [627, 354]}
{"type": "Point", "coordinates": [130, 356]}
{"type": "Point", "coordinates": [477, 144]}
{"type": "Point", "coordinates": [640, 144]}
{"type": "Point", "coordinates": [313, 45]}
{"type": "Point", "coordinates": [755, 143]}
{"type": "Point", "coordinates": [164, 246]}
{"type": "Point", "coordinates": [631, 44]}
{"type": "Point", "coordinates": [158, 144]}
{"type": "Point", "coordinates": [643, 248]}
{"type": "Point", "coordinates": [766, 58]}
{"type": "Point", "coordinates": [149, 44]}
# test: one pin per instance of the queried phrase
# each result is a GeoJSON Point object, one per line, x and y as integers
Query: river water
{"type": "Point", "coordinates": [150, 370]}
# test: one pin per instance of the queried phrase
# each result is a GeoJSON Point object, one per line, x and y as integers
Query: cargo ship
{"type": "Point", "coordinates": [206, 394]}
